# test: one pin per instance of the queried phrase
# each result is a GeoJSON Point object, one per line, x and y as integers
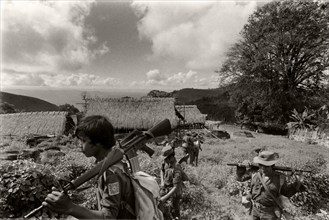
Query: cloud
{"type": "Point", "coordinates": [47, 36]}
{"type": "Point", "coordinates": [14, 78]}
{"type": "Point", "coordinates": [197, 33]}
{"type": "Point", "coordinates": [190, 79]}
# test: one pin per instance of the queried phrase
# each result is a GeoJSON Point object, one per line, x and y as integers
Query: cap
{"type": "Point", "coordinates": [167, 151]}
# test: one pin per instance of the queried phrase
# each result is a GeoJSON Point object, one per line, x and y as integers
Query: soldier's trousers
{"type": "Point", "coordinates": [263, 214]}
{"type": "Point", "coordinates": [171, 206]}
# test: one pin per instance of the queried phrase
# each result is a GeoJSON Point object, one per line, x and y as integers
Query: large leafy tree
{"type": "Point", "coordinates": [281, 59]}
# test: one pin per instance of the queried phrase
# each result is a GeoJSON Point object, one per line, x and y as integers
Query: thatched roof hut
{"type": "Point", "coordinates": [191, 113]}
{"type": "Point", "coordinates": [37, 123]}
{"type": "Point", "coordinates": [133, 113]}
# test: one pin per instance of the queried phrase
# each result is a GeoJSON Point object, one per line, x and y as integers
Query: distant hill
{"type": "Point", "coordinates": [26, 103]}
{"type": "Point", "coordinates": [213, 102]}
{"type": "Point", "coordinates": [188, 95]}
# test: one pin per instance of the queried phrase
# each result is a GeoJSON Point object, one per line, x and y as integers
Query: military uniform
{"type": "Point", "coordinates": [172, 176]}
{"type": "Point", "coordinates": [263, 205]}
{"type": "Point", "coordinates": [189, 149]}
{"type": "Point", "coordinates": [115, 195]}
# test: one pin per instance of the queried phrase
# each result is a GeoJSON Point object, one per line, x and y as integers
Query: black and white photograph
{"type": "Point", "coordinates": [164, 109]}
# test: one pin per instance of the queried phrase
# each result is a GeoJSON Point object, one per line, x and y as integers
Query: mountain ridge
{"type": "Point", "coordinates": [24, 103]}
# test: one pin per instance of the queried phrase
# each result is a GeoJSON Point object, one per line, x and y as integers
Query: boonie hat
{"type": "Point", "coordinates": [266, 158]}
{"type": "Point", "coordinates": [167, 151]}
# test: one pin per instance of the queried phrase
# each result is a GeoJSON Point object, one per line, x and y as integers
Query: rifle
{"type": "Point", "coordinates": [129, 145]}
{"type": "Point", "coordinates": [256, 166]}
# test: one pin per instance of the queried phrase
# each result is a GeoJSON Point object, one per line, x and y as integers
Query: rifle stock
{"type": "Point", "coordinates": [132, 140]}
{"type": "Point", "coordinates": [281, 168]}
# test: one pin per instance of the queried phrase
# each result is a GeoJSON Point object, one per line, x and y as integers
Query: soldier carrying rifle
{"type": "Point", "coordinates": [267, 186]}
{"type": "Point", "coordinates": [114, 189]}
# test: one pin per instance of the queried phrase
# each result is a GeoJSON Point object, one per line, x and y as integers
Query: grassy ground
{"type": "Point", "coordinates": [213, 192]}
{"type": "Point", "coordinates": [218, 178]}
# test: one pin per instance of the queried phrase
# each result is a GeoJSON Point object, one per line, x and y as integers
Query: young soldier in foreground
{"type": "Point", "coordinates": [115, 194]}
{"type": "Point", "coordinates": [171, 183]}
{"type": "Point", "coordinates": [263, 205]}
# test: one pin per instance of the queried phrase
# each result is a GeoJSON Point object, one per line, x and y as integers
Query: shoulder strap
{"type": "Point", "coordinates": [268, 191]}
{"type": "Point", "coordinates": [281, 181]}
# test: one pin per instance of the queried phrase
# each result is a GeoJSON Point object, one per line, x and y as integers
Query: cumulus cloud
{"type": "Point", "coordinates": [14, 78]}
{"type": "Point", "coordinates": [47, 36]}
{"type": "Point", "coordinates": [156, 79]}
{"type": "Point", "coordinates": [197, 33]}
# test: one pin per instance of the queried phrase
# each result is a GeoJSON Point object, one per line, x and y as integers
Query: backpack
{"type": "Point", "coordinates": [147, 196]}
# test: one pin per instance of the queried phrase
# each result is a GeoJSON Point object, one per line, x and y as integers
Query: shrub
{"type": "Point", "coordinates": [23, 187]}
{"type": "Point", "coordinates": [316, 195]}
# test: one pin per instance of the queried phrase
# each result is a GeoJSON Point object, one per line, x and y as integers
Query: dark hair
{"type": "Point", "coordinates": [98, 129]}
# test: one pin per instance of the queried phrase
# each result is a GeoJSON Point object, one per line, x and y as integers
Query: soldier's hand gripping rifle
{"type": "Point", "coordinates": [255, 166]}
{"type": "Point", "coordinates": [132, 142]}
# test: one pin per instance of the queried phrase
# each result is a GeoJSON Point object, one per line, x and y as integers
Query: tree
{"type": "Point", "coordinates": [72, 110]}
{"type": "Point", "coordinates": [281, 59]}
{"type": "Point", "coordinates": [159, 94]}
{"type": "Point", "coordinates": [7, 108]}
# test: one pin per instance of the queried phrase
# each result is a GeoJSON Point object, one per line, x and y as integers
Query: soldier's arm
{"type": "Point", "coordinates": [161, 176]}
{"type": "Point", "coordinates": [169, 194]}
{"type": "Point", "coordinates": [60, 203]}
{"type": "Point", "coordinates": [245, 171]}
{"type": "Point", "coordinates": [290, 189]}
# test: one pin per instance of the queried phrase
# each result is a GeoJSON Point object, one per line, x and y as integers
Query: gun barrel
{"type": "Point", "coordinates": [281, 168]}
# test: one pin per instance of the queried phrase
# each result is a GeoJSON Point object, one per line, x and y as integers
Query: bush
{"type": "Point", "coordinates": [316, 195]}
{"type": "Point", "coordinates": [23, 187]}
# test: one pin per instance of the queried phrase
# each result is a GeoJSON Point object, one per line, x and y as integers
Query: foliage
{"type": "Point", "coordinates": [7, 108]}
{"type": "Point", "coordinates": [71, 109]}
{"type": "Point", "coordinates": [316, 195]}
{"type": "Point", "coordinates": [23, 187]}
{"type": "Point", "coordinates": [281, 59]}
{"type": "Point", "coordinates": [302, 120]}
{"type": "Point", "coordinates": [159, 94]}
{"type": "Point", "coordinates": [218, 108]}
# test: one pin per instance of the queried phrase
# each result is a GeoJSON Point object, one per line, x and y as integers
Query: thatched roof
{"type": "Point", "coordinates": [39, 123]}
{"type": "Point", "coordinates": [133, 113]}
{"type": "Point", "coordinates": [191, 113]}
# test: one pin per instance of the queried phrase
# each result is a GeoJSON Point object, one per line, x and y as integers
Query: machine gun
{"type": "Point", "coordinates": [128, 146]}
{"type": "Point", "coordinates": [256, 166]}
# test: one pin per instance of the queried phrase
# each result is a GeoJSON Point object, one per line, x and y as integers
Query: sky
{"type": "Point", "coordinates": [99, 45]}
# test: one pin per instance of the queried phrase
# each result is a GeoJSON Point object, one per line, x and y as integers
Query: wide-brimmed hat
{"type": "Point", "coordinates": [267, 158]}
{"type": "Point", "coordinates": [166, 151]}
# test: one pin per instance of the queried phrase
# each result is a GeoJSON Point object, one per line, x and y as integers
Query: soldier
{"type": "Point", "coordinates": [197, 141]}
{"type": "Point", "coordinates": [267, 184]}
{"type": "Point", "coordinates": [115, 195]}
{"type": "Point", "coordinates": [189, 147]}
{"type": "Point", "coordinates": [171, 183]}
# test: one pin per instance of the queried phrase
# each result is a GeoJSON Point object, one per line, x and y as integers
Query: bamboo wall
{"type": "Point", "coordinates": [310, 136]}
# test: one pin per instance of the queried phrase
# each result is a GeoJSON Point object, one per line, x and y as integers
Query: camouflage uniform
{"type": "Point", "coordinates": [172, 176]}
{"type": "Point", "coordinates": [263, 205]}
{"type": "Point", "coordinates": [115, 195]}
{"type": "Point", "coordinates": [190, 148]}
